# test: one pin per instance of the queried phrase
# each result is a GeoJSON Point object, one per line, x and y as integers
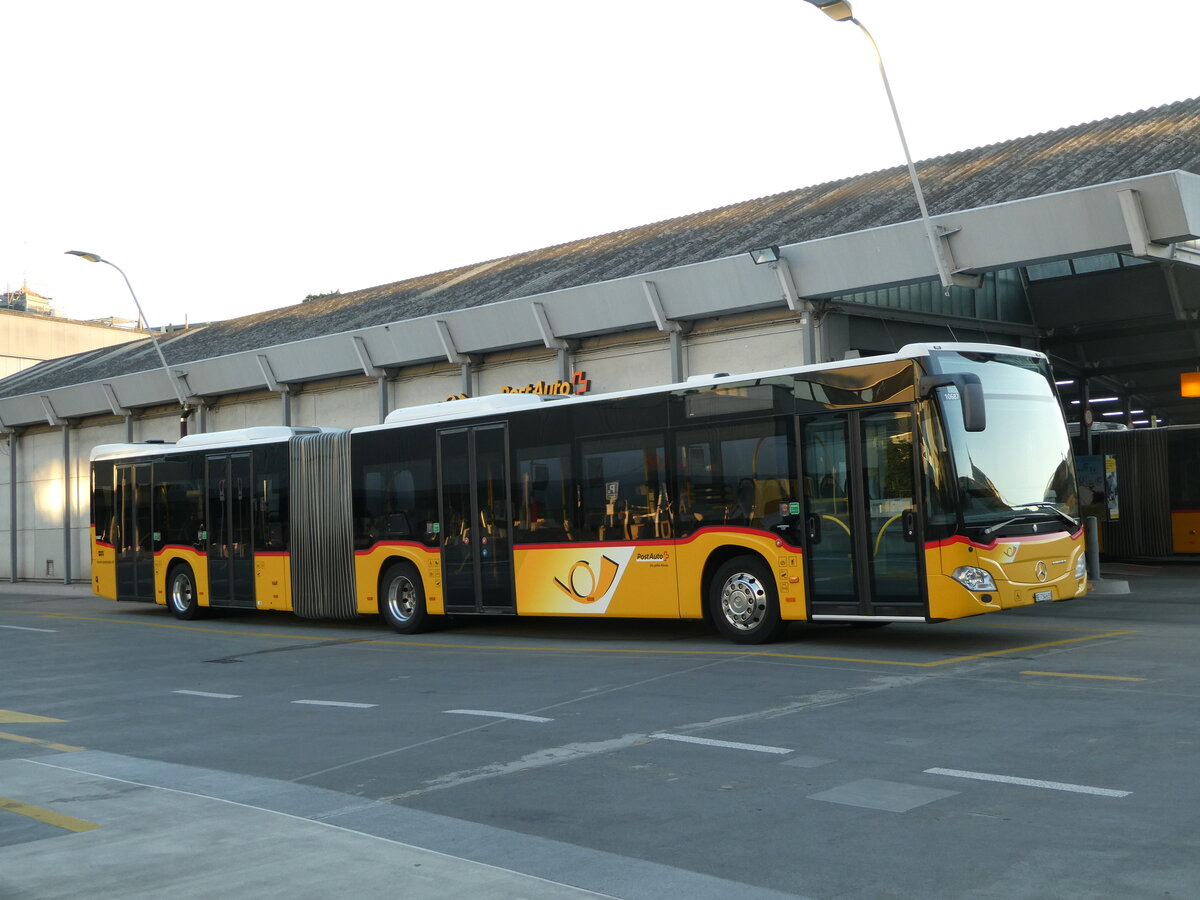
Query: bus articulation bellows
{"type": "Point", "coordinates": [926, 485]}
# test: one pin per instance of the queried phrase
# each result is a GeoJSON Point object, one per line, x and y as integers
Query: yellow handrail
{"type": "Point", "coordinates": [882, 529]}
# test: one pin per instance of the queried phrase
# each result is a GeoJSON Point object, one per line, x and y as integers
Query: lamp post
{"type": "Point", "coordinates": [840, 11]}
{"type": "Point", "coordinates": [96, 257]}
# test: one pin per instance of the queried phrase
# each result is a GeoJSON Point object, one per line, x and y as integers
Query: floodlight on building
{"type": "Point", "coordinates": [1189, 384]}
{"type": "Point", "coordinates": [96, 257]}
{"type": "Point", "coordinates": [765, 255]}
{"type": "Point", "coordinates": [840, 11]}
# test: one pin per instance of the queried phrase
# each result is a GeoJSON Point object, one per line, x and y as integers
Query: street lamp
{"type": "Point", "coordinates": [840, 11]}
{"type": "Point", "coordinates": [96, 257]}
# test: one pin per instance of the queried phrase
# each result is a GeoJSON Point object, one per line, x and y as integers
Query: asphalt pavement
{"type": "Point", "coordinates": [79, 822]}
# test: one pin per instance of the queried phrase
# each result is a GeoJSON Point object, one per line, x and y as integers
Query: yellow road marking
{"type": "Point", "coordinates": [627, 650]}
{"type": "Point", "coordinates": [48, 816]}
{"type": "Point", "coordinates": [775, 654]}
{"type": "Point", "coordinates": [66, 748]}
{"type": "Point", "coordinates": [8, 716]}
{"type": "Point", "coordinates": [1093, 637]}
{"type": "Point", "coordinates": [1075, 675]}
{"type": "Point", "coordinates": [1027, 626]}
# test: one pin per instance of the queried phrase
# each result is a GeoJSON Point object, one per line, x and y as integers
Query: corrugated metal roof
{"type": "Point", "coordinates": [1139, 143]}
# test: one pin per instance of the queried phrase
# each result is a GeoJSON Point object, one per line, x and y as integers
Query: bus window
{"type": "Point", "coordinates": [542, 495]}
{"type": "Point", "coordinates": [394, 495]}
{"type": "Point", "coordinates": [271, 498]}
{"type": "Point", "coordinates": [741, 475]}
{"type": "Point", "coordinates": [624, 495]}
{"type": "Point", "coordinates": [103, 507]}
{"type": "Point", "coordinates": [177, 506]}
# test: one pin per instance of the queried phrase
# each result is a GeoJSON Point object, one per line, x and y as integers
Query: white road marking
{"type": "Point", "coordinates": [209, 694]}
{"type": "Point", "coordinates": [23, 628]}
{"type": "Point", "coordinates": [709, 742]}
{"type": "Point", "coordinates": [1031, 782]}
{"type": "Point", "coordinates": [520, 717]}
{"type": "Point", "coordinates": [336, 703]}
{"type": "Point", "coordinates": [551, 756]}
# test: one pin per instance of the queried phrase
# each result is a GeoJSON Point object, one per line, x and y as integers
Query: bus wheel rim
{"type": "Point", "coordinates": [181, 595]}
{"type": "Point", "coordinates": [402, 599]}
{"type": "Point", "coordinates": [743, 601]}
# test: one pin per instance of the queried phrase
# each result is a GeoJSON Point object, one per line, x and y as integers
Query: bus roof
{"type": "Point", "coordinates": [470, 407]}
{"type": "Point", "coordinates": [261, 434]}
{"type": "Point", "coordinates": [453, 410]}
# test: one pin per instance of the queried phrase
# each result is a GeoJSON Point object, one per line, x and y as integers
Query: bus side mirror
{"type": "Point", "coordinates": [970, 392]}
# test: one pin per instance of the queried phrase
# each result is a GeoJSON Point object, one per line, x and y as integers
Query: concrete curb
{"type": "Point", "coordinates": [1108, 586]}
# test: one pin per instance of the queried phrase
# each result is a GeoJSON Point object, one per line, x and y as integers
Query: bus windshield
{"type": "Point", "coordinates": [1020, 469]}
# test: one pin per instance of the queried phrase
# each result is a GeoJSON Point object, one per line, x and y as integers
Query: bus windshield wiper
{"type": "Point", "coordinates": [1036, 507]}
{"type": "Point", "coordinates": [1053, 510]}
{"type": "Point", "coordinates": [992, 529]}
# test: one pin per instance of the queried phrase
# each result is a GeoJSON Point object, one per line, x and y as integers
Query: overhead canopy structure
{"type": "Point", "coordinates": [1089, 233]}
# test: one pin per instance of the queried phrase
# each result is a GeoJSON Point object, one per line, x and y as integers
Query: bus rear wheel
{"type": "Point", "coordinates": [402, 599]}
{"type": "Point", "coordinates": [744, 602]}
{"type": "Point", "coordinates": [181, 593]}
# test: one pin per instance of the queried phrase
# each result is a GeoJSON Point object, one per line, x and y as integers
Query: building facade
{"type": "Point", "coordinates": [1080, 242]}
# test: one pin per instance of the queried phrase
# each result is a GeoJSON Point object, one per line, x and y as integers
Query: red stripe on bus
{"type": "Point", "coordinates": [415, 545]}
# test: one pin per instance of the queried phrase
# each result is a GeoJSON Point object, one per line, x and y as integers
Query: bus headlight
{"type": "Point", "coordinates": [973, 578]}
{"type": "Point", "coordinates": [1081, 566]}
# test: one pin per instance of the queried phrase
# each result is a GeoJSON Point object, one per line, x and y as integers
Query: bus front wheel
{"type": "Point", "coordinates": [744, 602]}
{"type": "Point", "coordinates": [181, 593]}
{"type": "Point", "coordinates": [402, 599]}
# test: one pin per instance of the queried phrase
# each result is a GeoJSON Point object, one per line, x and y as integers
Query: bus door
{"type": "Point", "coordinates": [134, 537]}
{"type": "Point", "coordinates": [475, 519]}
{"type": "Point", "coordinates": [861, 532]}
{"type": "Point", "coordinates": [228, 512]}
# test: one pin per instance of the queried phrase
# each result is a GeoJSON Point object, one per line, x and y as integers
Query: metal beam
{"type": "Point", "coordinates": [52, 418]}
{"type": "Point", "coordinates": [364, 357]}
{"type": "Point", "coordinates": [922, 318]}
{"type": "Point", "coordinates": [13, 443]}
{"type": "Point", "coordinates": [67, 495]}
{"type": "Point", "coordinates": [674, 330]}
{"type": "Point", "coordinates": [447, 339]}
{"type": "Point", "coordinates": [661, 321]}
{"type": "Point", "coordinates": [542, 321]}
{"type": "Point", "coordinates": [113, 403]}
{"type": "Point", "coordinates": [1140, 241]}
{"type": "Point", "coordinates": [268, 374]}
{"type": "Point", "coordinates": [1148, 365]}
{"type": "Point", "coordinates": [1083, 336]}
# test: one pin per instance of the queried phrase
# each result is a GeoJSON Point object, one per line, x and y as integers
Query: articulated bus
{"type": "Point", "coordinates": [922, 486]}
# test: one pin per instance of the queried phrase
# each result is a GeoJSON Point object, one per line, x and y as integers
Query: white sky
{"type": "Point", "coordinates": [233, 157]}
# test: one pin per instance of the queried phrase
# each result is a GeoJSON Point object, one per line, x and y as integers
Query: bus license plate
{"type": "Point", "coordinates": [1043, 596]}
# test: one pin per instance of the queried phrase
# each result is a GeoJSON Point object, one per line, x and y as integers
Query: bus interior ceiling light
{"type": "Point", "coordinates": [765, 255]}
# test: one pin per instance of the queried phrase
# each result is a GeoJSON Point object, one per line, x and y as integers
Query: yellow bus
{"type": "Point", "coordinates": [921, 486]}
